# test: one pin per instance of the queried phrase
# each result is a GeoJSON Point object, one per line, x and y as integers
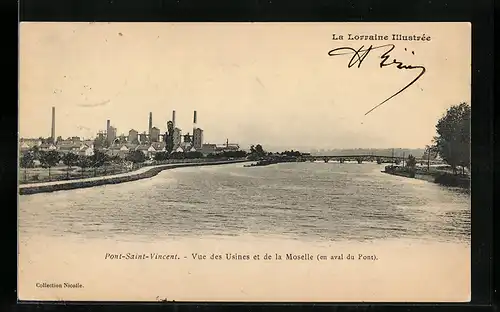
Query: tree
{"type": "Point", "coordinates": [27, 161]}
{"type": "Point", "coordinates": [256, 152]}
{"type": "Point", "coordinates": [259, 150]}
{"type": "Point", "coordinates": [136, 157]}
{"type": "Point", "coordinates": [69, 160]}
{"type": "Point", "coordinates": [453, 136]}
{"type": "Point", "coordinates": [98, 159]}
{"type": "Point", "coordinates": [430, 153]}
{"type": "Point", "coordinates": [49, 159]}
{"type": "Point", "coordinates": [84, 162]}
{"type": "Point", "coordinates": [160, 156]}
{"type": "Point", "coordinates": [36, 151]}
{"type": "Point", "coordinates": [177, 155]}
{"type": "Point", "coordinates": [411, 162]}
{"type": "Point", "coordinates": [169, 137]}
{"type": "Point", "coordinates": [194, 155]}
{"type": "Point", "coordinates": [115, 159]}
{"type": "Point", "coordinates": [169, 143]}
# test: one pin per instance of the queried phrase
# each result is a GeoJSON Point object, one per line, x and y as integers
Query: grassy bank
{"type": "Point", "coordinates": [69, 185]}
{"type": "Point", "coordinates": [64, 173]}
{"type": "Point", "coordinates": [436, 176]}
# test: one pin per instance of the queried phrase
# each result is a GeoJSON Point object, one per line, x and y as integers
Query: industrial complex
{"type": "Point", "coordinates": [149, 142]}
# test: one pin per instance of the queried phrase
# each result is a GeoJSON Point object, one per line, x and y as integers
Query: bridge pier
{"type": "Point", "coordinates": [341, 160]}
{"type": "Point", "coordinates": [326, 159]}
{"type": "Point", "coordinates": [359, 160]}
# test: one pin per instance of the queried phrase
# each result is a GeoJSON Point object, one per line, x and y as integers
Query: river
{"type": "Point", "coordinates": [300, 206]}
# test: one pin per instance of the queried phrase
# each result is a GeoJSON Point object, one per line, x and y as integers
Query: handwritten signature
{"type": "Point", "coordinates": [359, 55]}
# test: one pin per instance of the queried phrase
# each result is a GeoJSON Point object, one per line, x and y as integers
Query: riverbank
{"type": "Point", "coordinates": [439, 177]}
{"type": "Point", "coordinates": [143, 173]}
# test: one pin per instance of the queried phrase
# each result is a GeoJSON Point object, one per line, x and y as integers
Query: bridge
{"type": "Point", "coordinates": [358, 158]}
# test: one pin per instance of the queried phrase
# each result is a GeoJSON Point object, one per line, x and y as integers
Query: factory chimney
{"type": "Point", "coordinates": [173, 118]}
{"type": "Point", "coordinates": [108, 125]}
{"type": "Point", "coordinates": [53, 128]}
{"type": "Point", "coordinates": [194, 121]}
{"type": "Point", "coordinates": [150, 122]}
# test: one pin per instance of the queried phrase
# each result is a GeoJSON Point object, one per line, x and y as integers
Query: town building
{"type": "Point", "coordinates": [86, 151]}
{"type": "Point", "coordinates": [159, 146]}
{"type": "Point", "coordinates": [143, 138]}
{"type": "Point", "coordinates": [155, 134]}
{"type": "Point", "coordinates": [208, 149]}
{"type": "Point", "coordinates": [177, 137]}
{"type": "Point", "coordinates": [198, 138]}
{"type": "Point", "coordinates": [118, 150]}
{"type": "Point", "coordinates": [76, 146]}
{"type": "Point", "coordinates": [228, 147]}
{"type": "Point", "coordinates": [133, 136]}
{"type": "Point", "coordinates": [111, 135]}
{"type": "Point", "coordinates": [48, 147]}
{"type": "Point", "coordinates": [27, 144]}
{"type": "Point", "coordinates": [147, 149]}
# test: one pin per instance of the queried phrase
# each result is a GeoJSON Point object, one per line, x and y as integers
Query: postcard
{"type": "Point", "coordinates": [244, 162]}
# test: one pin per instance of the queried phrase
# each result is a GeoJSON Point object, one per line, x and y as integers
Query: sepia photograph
{"type": "Point", "coordinates": [244, 162]}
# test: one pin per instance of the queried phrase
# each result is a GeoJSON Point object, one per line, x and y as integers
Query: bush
{"type": "Point", "coordinates": [453, 180]}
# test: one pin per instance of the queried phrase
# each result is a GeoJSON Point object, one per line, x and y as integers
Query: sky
{"type": "Point", "coordinates": [251, 83]}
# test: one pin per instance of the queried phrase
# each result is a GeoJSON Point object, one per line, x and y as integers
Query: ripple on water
{"type": "Point", "coordinates": [298, 200]}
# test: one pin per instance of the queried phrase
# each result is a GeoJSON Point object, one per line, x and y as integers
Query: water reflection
{"type": "Point", "coordinates": [305, 200]}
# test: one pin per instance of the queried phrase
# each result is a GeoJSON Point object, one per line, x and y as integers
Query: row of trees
{"type": "Point", "coordinates": [50, 159]}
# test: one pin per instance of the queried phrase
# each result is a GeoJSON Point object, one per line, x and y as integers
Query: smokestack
{"type": "Point", "coordinates": [173, 118]}
{"type": "Point", "coordinates": [53, 128]}
{"type": "Point", "coordinates": [108, 125]}
{"type": "Point", "coordinates": [194, 123]}
{"type": "Point", "coordinates": [150, 122]}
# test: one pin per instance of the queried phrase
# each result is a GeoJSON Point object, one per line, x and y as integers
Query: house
{"type": "Point", "coordinates": [89, 143]}
{"type": "Point", "coordinates": [159, 146]}
{"type": "Point", "coordinates": [76, 147]}
{"type": "Point", "coordinates": [68, 148]}
{"type": "Point", "coordinates": [86, 151]}
{"type": "Point", "coordinates": [23, 147]}
{"type": "Point", "coordinates": [228, 147]}
{"type": "Point", "coordinates": [121, 150]}
{"type": "Point", "coordinates": [124, 149]}
{"type": "Point", "coordinates": [118, 150]}
{"type": "Point", "coordinates": [48, 147]}
{"type": "Point", "coordinates": [148, 150]}
{"type": "Point", "coordinates": [208, 149]}
{"type": "Point", "coordinates": [31, 142]}
{"type": "Point", "coordinates": [27, 144]}
{"type": "Point", "coordinates": [130, 146]}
